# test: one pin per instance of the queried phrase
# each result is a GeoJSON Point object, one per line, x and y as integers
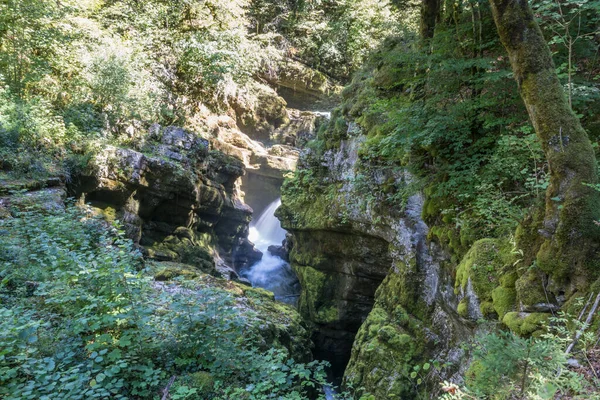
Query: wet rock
{"type": "Point", "coordinates": [279, 251]}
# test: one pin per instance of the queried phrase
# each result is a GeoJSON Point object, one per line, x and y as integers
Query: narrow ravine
{"type": "Point", "coordinates": [272, 272]}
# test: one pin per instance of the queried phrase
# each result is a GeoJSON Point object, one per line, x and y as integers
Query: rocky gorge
{"type": "Point", "coordinates": [339, 200]}
{"type": "Point", "coordinates": [374, 286]}
{"type": "Point", "coordinates": [186, 197]}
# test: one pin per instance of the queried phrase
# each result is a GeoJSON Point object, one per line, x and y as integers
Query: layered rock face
{"type": "Point", "coordinates": [369, 275]}
{"type": "Point", "coordinates": [265, 135]}
{"type": "Point", "coordinates": [180, 195]}
{"type": "Point", "coordinates": [176, 198]}
{"type": "Point", "coordinates": [302, 86]}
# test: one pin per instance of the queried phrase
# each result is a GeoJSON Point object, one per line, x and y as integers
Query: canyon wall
{"type": "Point", "coordinates": [378, 293]}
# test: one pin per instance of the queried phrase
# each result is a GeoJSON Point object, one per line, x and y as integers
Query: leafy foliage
{"type": "Point", "coordinates": [507, 366]}
{"type": "Point", "coordinates": [332, 36]}
{"type": "Point", "coordinates": [80, 320]}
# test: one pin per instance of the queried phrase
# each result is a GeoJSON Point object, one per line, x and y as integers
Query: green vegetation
{"type": "Point", "coordinates": [506, 365]}
{"type": "Point", "coordinates": [489, 110]}
{"type": "Point", "coordinates": [76, 72]}
{"type": "Point", "coordinates": [472, 115]}
{"type": "Point", "coordinates": [82, 318]}
{"type": "Point", "coordinates": [332, 36]}
{"type": "Point", "coordinates": [454, 117]}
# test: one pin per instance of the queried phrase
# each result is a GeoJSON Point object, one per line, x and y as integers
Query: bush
{"type": "Point", "coordinates": [79, 319]}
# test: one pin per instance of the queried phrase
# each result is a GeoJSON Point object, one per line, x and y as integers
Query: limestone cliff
{"type": "Point", "coordinates": [176, 198]}
{"type": "Point", "coordinates": [368, 269]}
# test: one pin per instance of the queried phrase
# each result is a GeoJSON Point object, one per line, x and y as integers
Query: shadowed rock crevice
{"type": "Point", "coordinates": [374, 287]}
{"type": "Point", "coordinates": [176, 198]}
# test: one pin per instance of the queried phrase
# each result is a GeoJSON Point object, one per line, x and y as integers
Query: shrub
{"type": "Point", "coordinates": [80, 319]}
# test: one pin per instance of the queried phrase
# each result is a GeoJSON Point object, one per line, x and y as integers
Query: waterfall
{"type": "Point", "coordinates": [272, 272]}
{"type": "Point", "coordinates": [267, 230]}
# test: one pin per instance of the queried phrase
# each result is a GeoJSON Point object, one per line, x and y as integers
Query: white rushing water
{"type": "Point", "coordinates": [272, 272]}
{"type": "Point", "coordinates": [267, 230]}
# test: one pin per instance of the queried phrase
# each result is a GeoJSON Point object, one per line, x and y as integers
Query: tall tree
{"type": "Point", "coordinates": [569, 236]}
{"type": "Point", "coordinates": [430, 14]}
{"type": "Point", "coordinates": [28, 38]}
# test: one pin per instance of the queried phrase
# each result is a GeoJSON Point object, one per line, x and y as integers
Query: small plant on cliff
{"type": "Point", "coordinates": [506, 365]}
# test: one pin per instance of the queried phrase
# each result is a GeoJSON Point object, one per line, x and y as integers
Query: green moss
{"type": "Point", "coordinates": [487, 309]}
{"type": "Point", "coordinates": [327, 315]}
{"type": "Point", "coordinates": [504, 300]}
{"type": "Point", "coordinates": [527, 235]}
{"type": "Point", "coordinates": [401, 317]}
{"type": "Point", "coordinates": [187, 247]}
{"type": "Point", "coordinates": [168, 271]}
{"type": "Point", "coordinates": [386, 333]}
{"type": "Point", "coordinates": [463, 308]}
{"type": "Point", "coordinates": [483, 264]}
{"type": "Point", "coordinates": [391, 341]}
{"type": "Point", "coordinates": [529, 288]}
{"type": "Point", "coordinates": [259, 293]}
{"type": "Point", "coordinates": [508, 279]}
{"type": "Point", "coordinates": [450, 239]}
{"type": "Point", "coordinates": [316, 299]}
{"type": "Point", "coordinates": [382, 358]}
{"type": "Point", "coordinates": [378, 316]}
{"type": "Point", "coordinates": [525, 324]}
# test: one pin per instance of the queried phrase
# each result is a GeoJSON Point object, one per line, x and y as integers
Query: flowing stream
{"type": "Point", "coordinates": [272, 272]}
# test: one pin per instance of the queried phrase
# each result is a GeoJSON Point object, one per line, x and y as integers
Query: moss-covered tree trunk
{"type": "Point", "coordinates": [569, 236]}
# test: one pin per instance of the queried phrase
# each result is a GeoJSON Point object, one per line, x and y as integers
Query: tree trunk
{"type": "Point", "coordinates": [570, 237]}
{"type": "Point", "coordinates": [430, 14]}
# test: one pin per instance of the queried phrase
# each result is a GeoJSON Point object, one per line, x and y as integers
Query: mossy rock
{"type": "Point", "coordinates": [382, 358]}
{"type": "Point", "coordinates": [327, 315]}
{"type": "Point", "coordinates": [187, 247]}
{"type": "Point", "coordinates": [484, 264]}
{"type": "Point", "coordinates": [504, 300]}
{"type": "Point", "coordinates": [315, 302]}
{"type": "Point", "coordinates": [167, 271]}
{"type": "Point", "coordinates": [526, 324]}
{"type": "Point", "coordinates": [529, 288]}
{"type": "Point", "coordinates": [509, 279]}
{"type": "Point", "coordinates": [488, 310]}
{"type": "Point", "coordinates": [463, 308]}
{"type": "Point", "coordinates": [258, 293]}
{"type": "Point", "coordinates": [270, 323]}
